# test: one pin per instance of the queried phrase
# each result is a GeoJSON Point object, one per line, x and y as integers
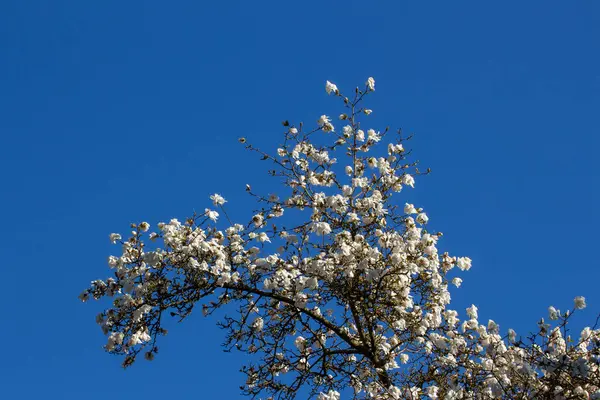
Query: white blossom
{"type": "Point", "coordinates": [212, 215]}
{"type": "Point", "coordinates": [300, 343]}
{"type": "Point", "coordinates": [258, 324]}
{"type": "Point", "coordinates": [321, 228]}
{"type": "Point", "coordinates": [464, 263]}
{"type": "Point", "coordinates": [325, 123]}
{"type": "Point", "coordinates": [331, 395]}
{"type": "Point", "coordinates": [410, 209]}
{"type": "Point", "coordinates": [408, 180]}
{"type": "Point", "coordinates": [330, 87]}
{"type": "Point", "coordinates": [372, 135]}
{"type": "Point", "coordinates": [472, 311]}
{"type": "Point", "coordinates": [360, 135]}
{"type": "Point", "coordinates": [422, 218]}
{"type": "Point", "coordinates": [580, 302]}
{"type": "Point", "coordinates": [512, 335]}
{"type": "Point", "coordinates": [263, 237]}
{"type": "Point", "coordinates": [553, 313]}
{"type": "Point", "coordinates": [114, 237]}
{"type": "Point", "coordinates": [217, 199]}
{"type": "Point", "coordinates": [258, 220]}
{"type": "Point", "coordinates": [115, 338]}
{"type": "Point", "coordinates": [371, 83]}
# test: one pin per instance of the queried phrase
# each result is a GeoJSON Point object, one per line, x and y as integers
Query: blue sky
{"type": "Point", "coordinates": [113, 112]}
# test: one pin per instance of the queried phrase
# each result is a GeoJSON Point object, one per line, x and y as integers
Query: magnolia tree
{"type": "Point", "coordinates": [334, 287]}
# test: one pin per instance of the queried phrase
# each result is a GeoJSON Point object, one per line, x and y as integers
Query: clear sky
{"type": "Point", "coordinates": [119, 111]}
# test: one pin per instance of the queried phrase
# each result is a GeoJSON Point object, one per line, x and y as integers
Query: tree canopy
{"type": "Point", "coordinates": [335, 284]}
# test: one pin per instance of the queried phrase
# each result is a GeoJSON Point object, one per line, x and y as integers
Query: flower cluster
{"type": "Point", "coordinates": [353, 294]}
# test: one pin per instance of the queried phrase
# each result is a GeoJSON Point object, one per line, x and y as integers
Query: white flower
{"type": "Point", "coordinates": [293, 130]}
{"type": "Point", "coordinates": [262, 237]}
{"type": "Point", "coordinates": [512, 335]}
{"type": "Point", "coordinates": [580, 302]}
{"type": "Point", "coordinates": [586, 334]}
{"type": "Point", "coordinates": [330, 87]}
{"type": "Point", "coordinates": [464, 263]}
{"type": "Point", "coordinates": [457, 282]}
{"type": "Point", "coordinates": [553, 313]}
{"type": "Point", "coordinates": [300, 343]}
{"type": "Point", "coordinates": [360, 182]}
{"type": "Point", "coordinates": [258, 324]}
{"type": "Point", "coordinates": [367, 111]}
{"type": "Point", "coordinates": [394, 392]}
{"type": "Point", "coordinates": [403, 358]}
{"type": "Point", "coordinates": [114, 339]}
{"type": "Point", "coordinates": [432, 392]}
{"type": "Point", "coordinates": [258, 220]}
{"type": "Point", "coordinates": [140, 336]}
{"type": "Point", "coordinates": [395, 148]}
{"type": "Point", "coordinates": [331, 395]}
{"type": "Point", "coordinates": [371, 83]}
{"type": "Point", "coordinates": [360, 135]}
{"type": "Point", "coordinates": [325, 123]}
{"type": "Point", "coordinates": [321, 228]}
{"type": "Point", "coordinates": [140, 312]}
{"type": "Point", "coordinates": [374, 136]}
{"type": "Point", "coordinates": [409, 209]}
{"type": "Point", "coordinates": [303, 364]}
{"type": "Point", "coordinates": [408, 180]}
{"type": "Point", "coordinates": [353, 217]}
{"type": "Point", "coordinates": [217, 199]}
{"type": "Point", "coordinates": [399, 324]}
{"type": "Point", "coordinates": [213, 215]}
{"type": "Point", "coordinates": [347, 131]}
{"type": "Point", "coordinates": [422, 218]}
{"type": "Point", "coordinates": [321, 157]}
{"type": "Point", "coordinates": [472, 311]}
{"type": "Point", "coordinates": [114, 237]}
{"type": "Point", "coordinates": [144, 226]}
{"type": "Point", "coordinates": [324, 119]}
